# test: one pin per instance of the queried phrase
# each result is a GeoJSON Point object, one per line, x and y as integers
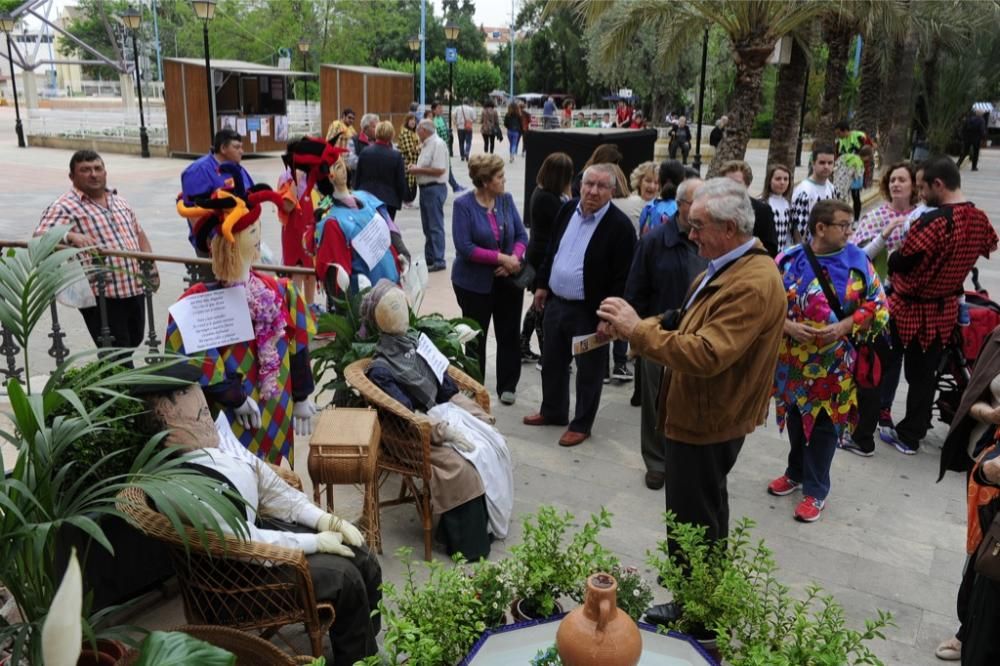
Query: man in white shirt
{"type": "Point", "coordinates": [816, 187]}
{"type": "Point", "coordinates": [431, 171]}
{"type": "Point", "coordinates": [462, 118]}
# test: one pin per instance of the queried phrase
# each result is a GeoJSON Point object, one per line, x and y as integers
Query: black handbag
{"type": "Point", "coordinates": [988, 553]}
{"type": "Point", "coordinates": [524, 278]}
{"type": "Point", "coordinates": [867, 365]}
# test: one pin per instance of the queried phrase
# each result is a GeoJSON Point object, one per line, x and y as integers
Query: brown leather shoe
{"type": "Point", "coordinates": [655, 480]}
{"type": "Point", "coordinates": [571, 438]}
{"type": "Point", "coordinates": [535, 420]}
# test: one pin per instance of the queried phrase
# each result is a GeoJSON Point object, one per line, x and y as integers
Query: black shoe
{"type": "Point", "coordinates": [528, 356]}
{"type": "Point", "coordinates": [636, 400]}
{"type": "Point", "coordinates": [664, 613]}
{"type": "Point", "coordinates": [655, 480]}
{"type": "Point", "coordinates": [437, 267]}
{"type": "Point", "coordinates": [622, 372]}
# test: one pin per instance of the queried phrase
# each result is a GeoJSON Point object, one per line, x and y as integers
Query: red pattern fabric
{"type": "Point", "coordinates": [924, 302]}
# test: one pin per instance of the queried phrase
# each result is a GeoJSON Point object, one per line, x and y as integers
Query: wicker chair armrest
{"type": "Point", "coordinates": [467, 383]}
{"type": "Point", "coordinates": [133, 503]}
{"type": "Point", "coordinates": [354, 375]}
{"type": "Point", "coordinates": [288, 476]}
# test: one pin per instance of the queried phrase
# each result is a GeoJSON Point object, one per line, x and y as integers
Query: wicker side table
{"type": "Point", "coordinates": [344, 450]}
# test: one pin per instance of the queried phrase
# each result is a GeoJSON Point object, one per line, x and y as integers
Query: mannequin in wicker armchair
{"type": "Point", "coordinates": [343, 571]}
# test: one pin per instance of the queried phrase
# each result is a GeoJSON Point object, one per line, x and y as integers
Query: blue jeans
{"type": "Point", "coordinates": [432, 220]}
{"type": "Point", "coordinates": [455, 186]}
{"type": "Point", "coordinates": [619, 352]}
{"type": "Point", "coordinates": [809, 461]}
{"type": "Point", "coordinates": [515, 139]}
{"type": "Point", "coordinates": [464, 142]}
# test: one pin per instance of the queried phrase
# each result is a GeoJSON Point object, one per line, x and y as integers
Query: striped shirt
{"type": "Point", "coordinates": [115, 227]}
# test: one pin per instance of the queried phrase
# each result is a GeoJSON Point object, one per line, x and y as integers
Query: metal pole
{"type": "Point", "coordinates": [210, 86]}
{"type": "Point", "coordinates": [305, 90]}
{"type": "Point", "coordinates": [416, 93]}
{"type": "Point", "coordinates": [696, 163]}
{"type": "Point", "coordinates": [159, 51]}
{"type": "Point", "coordinates": [17, 109]}
{"type": "Point", "coordinates": [451, 99]}
{"type": "Point", "coordinates": [802, 121]}
{"type": "Point", "coordinates": [423, 54]}
{"type": "Point", "coordinates": [143, 137]}
{"type": "Point", "coordinates": [512, 50]}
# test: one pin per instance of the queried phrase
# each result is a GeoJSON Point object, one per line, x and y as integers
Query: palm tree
{"type": "Point", "coordinates": [788, 103]}
{"type": "Point", "coordinates": [752, 27]}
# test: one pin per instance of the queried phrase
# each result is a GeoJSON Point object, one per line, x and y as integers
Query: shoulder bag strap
{"type": "Point", "coordinates": [831, 295]}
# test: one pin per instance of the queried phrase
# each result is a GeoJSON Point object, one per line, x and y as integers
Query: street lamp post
{"type": "Point", "coordinates": [414, 44]}
{"type": "Point", "coordinates": [205, 9]}
{"type": "Point", "coordinates": [451, 34]}
{"type": "Point", "coordinates": [802, 121]}
{"type": "Point", "coordinates": [7, 24]}
{"type": "Point", "coordinates": [132, 18]}
{"type": "Point", "coordinates": [696, 163]}
{"type": "Point", "coordinates": [304, 50]}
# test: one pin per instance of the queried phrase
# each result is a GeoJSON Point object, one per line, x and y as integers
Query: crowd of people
{"type": "Point", "coordinates": [728, 304]}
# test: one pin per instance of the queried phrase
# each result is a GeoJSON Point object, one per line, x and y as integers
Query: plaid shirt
{"type": "Point", "coordinates": [929, 270]}
{"type": "Point", "coordinates": [115, 227]}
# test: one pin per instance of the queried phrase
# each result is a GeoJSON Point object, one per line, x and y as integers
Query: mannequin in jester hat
{"type": "Point", "coordinates": [262, 385]}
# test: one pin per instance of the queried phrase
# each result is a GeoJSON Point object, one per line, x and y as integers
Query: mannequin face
{"type": "Point", "coordinates": [248, 244]}
{"type": "Point", "coordinates": [392, 314]}
{"type": "Point", "coordinates": [187, 416]}
{"type": "Point", "coordinates": [338, 174]}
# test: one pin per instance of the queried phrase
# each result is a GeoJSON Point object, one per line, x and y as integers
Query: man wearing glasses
{"type": "Point", "coordinates": [588, 260]}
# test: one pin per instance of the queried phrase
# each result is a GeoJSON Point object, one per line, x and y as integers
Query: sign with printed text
{"type": "Point", "coordinates": [373, 241]}
{"type": "Point", "coordinates": [437, 361]}
{"type": "Point", "coordinates": [585, 343]}
{"type": "Point", "coordinates": [213, 319]}
{"type": "Point", "coordinates": [450, 54]}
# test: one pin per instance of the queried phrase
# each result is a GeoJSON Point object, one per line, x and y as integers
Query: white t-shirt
{"type": "Point", "coordinates": [433, 154]}
{"type": "Point", "coordinates": [464, 114]}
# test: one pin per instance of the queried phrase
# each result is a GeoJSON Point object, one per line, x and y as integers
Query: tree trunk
{"type": "Point", "coordinates": [788, 108]}
{"type": "Point", "coordinates": [872, 87]}
{"type": "Point", "coordinates": [838, 34]}
{"type": "Point", "coordinates": [899, 95]}
{"type": "Point", "coordinates": [750, 63]}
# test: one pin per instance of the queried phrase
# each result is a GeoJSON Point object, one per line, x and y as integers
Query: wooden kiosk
{"type": "Point", "coordinates": [250, 98]}
{"type": "Point", "coordinates": [365, 90]}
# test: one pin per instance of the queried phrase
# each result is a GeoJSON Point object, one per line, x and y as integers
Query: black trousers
{"type": "Point", "coordinates": [126, 319]}
{"type": "Point", "coordinates": [351, 584]}
{"type": "Point", "coordinates": [503, 305]}
{"type": "Point", "coordinates": [489, 141]}
{"type": "Point", "coordinates": [971, 149]}
{"type": "Point", "coordinates": [696, 484]}
{"type": "Point", "coordinates": [563, 320]}
{"type": "Point", "coordinates": [920, 369]}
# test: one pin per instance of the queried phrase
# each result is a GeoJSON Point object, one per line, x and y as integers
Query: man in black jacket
{"type": "Point", "coordinates": [587, 261]}
{"type": "Point", "coordinates": [381, 171]}
{"type": "Point", "coordinates": [763, 216]}
{"type": "Point", "coordinates": [665, 264]}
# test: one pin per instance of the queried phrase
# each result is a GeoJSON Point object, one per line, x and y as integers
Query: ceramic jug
{"type": "Point", "coordinates": [599, 633]}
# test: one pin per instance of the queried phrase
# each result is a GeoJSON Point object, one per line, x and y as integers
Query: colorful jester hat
{"type": "Point", "coordinates": [314, 157]}
{"type": "Point", "coordinates": [225, 211]}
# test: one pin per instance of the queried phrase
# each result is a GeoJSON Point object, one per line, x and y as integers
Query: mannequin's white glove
{"type": "Point", "coordinates": [331, 523]}
{"type": "Point", "coordinates": [455, 437]}
{"type": "Point", "coordinates": [302, 414]}
{"type": "Point", "coordinates": [404, 265]}
{"type": "Point", "coordinates": [332, 542]}
{"type": "Point", "coordinates": [248, 414]}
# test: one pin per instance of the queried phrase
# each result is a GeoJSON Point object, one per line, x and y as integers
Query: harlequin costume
{"type": "Point", "coordinates": [273, 368]}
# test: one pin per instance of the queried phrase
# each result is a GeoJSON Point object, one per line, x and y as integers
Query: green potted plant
{"type": "Point", "coordinates": [544, 569]}
{"type": "Point", "coordinates": [494, 586]}
{"type": "Point", "coordinates": [347, 341]}
{"type": "Point", "coordinates": [40, 495]}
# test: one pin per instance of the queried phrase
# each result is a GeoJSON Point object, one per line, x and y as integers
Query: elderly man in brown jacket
{"type": "Point", "coordinates": [720, 351]}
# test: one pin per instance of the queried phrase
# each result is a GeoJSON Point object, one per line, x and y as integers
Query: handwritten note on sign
{"type": "Point", "coordinates": [213, 319]}
{"type": "Point", "coordinates": [373, 241]}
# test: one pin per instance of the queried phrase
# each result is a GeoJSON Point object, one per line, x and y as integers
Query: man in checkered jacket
{"type": "Point", "coordinates": [928, 273]}
{"type": "Point", "coordinates": [95, 216]}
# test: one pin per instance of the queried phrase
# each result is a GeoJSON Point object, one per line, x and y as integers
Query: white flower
{"type": "Point", "coordinates": [62, 633]}
{"type": "Point", "coordinates": [465, 333]}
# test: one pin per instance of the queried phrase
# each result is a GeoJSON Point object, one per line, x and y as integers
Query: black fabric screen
{"type": "Point", "coordinates": [636, 147]}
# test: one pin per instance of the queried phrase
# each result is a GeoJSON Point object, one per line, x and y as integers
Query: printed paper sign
{"type": "Point", "coordinates": [241, 126]}
{"type": "Point", "coordinates": [373, 241]}
{"type": "Point", "coordinates": [585, 343]}
{"type": "Point", "coordinates": [435, 359]}
{"type": "Point", "coordinates": [253, 123]}
{"type": "Point", "coordinates": [281, 128]}
{"type": "Point", "coordinates": [213, 319]}
{"type": "Point", "coordinates": [265, 126]}
{"type": "Point", "coordinates": [253, 136]}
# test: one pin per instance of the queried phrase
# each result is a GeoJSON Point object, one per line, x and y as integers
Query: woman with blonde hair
{"type": "Point", "coordinates": [380, 170]}
{"type": "Point", "coordinates": [490, 243]}
{"type": "Point", "coordinates": [408, 144]}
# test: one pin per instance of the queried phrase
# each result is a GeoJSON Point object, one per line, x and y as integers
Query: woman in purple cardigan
{"type": "Point", "coordinates": [490, 241]}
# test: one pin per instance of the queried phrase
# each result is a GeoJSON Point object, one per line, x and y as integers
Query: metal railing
{"type": "Point", "coordinates": [196, 270]}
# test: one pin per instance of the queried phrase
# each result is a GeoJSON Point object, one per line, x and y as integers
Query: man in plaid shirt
{"type": "Point", "coordinates": [95, 216]}
{"type": "Point", "coordinates": [928, 273]}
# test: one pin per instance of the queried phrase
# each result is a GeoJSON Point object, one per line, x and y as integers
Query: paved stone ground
{"type": "Point", "coordinates": [891, 537]}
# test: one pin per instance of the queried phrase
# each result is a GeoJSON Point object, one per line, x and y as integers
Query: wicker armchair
{"type": "Point", "coordinates": [248, 649]}
{"type": "Point", "coordinates": [406, 439]}
{"type": "Point", "coordinates": [234, 583]}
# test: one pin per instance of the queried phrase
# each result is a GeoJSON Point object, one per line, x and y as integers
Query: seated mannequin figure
{"type": "Point", "coordinates": [252, 382]}
{"type": "Point", "coordinates": [344, 572]}
{"type": "Point", "coordinates": [342, 216]}
{"type": "Point", "coordinates": [469, 455]}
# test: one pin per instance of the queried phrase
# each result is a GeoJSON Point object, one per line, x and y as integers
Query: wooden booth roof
{"type": "Point", "coordinates": [375, 71]}
{"type": "Point", "coordinates": [244, 67]}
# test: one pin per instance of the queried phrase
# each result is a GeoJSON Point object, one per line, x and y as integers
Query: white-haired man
{"type": "Point", "coordinates": [719, 351]}
{"type": "Point", "coordinates": [431, 171]}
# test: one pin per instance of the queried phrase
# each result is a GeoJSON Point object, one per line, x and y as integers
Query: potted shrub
{"type": "Point", "coordinates": [543, 569]}
{"type": "Point", "coordinates": [349, 340]}
{"type": "Point", "coordinates": [38, 499]}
